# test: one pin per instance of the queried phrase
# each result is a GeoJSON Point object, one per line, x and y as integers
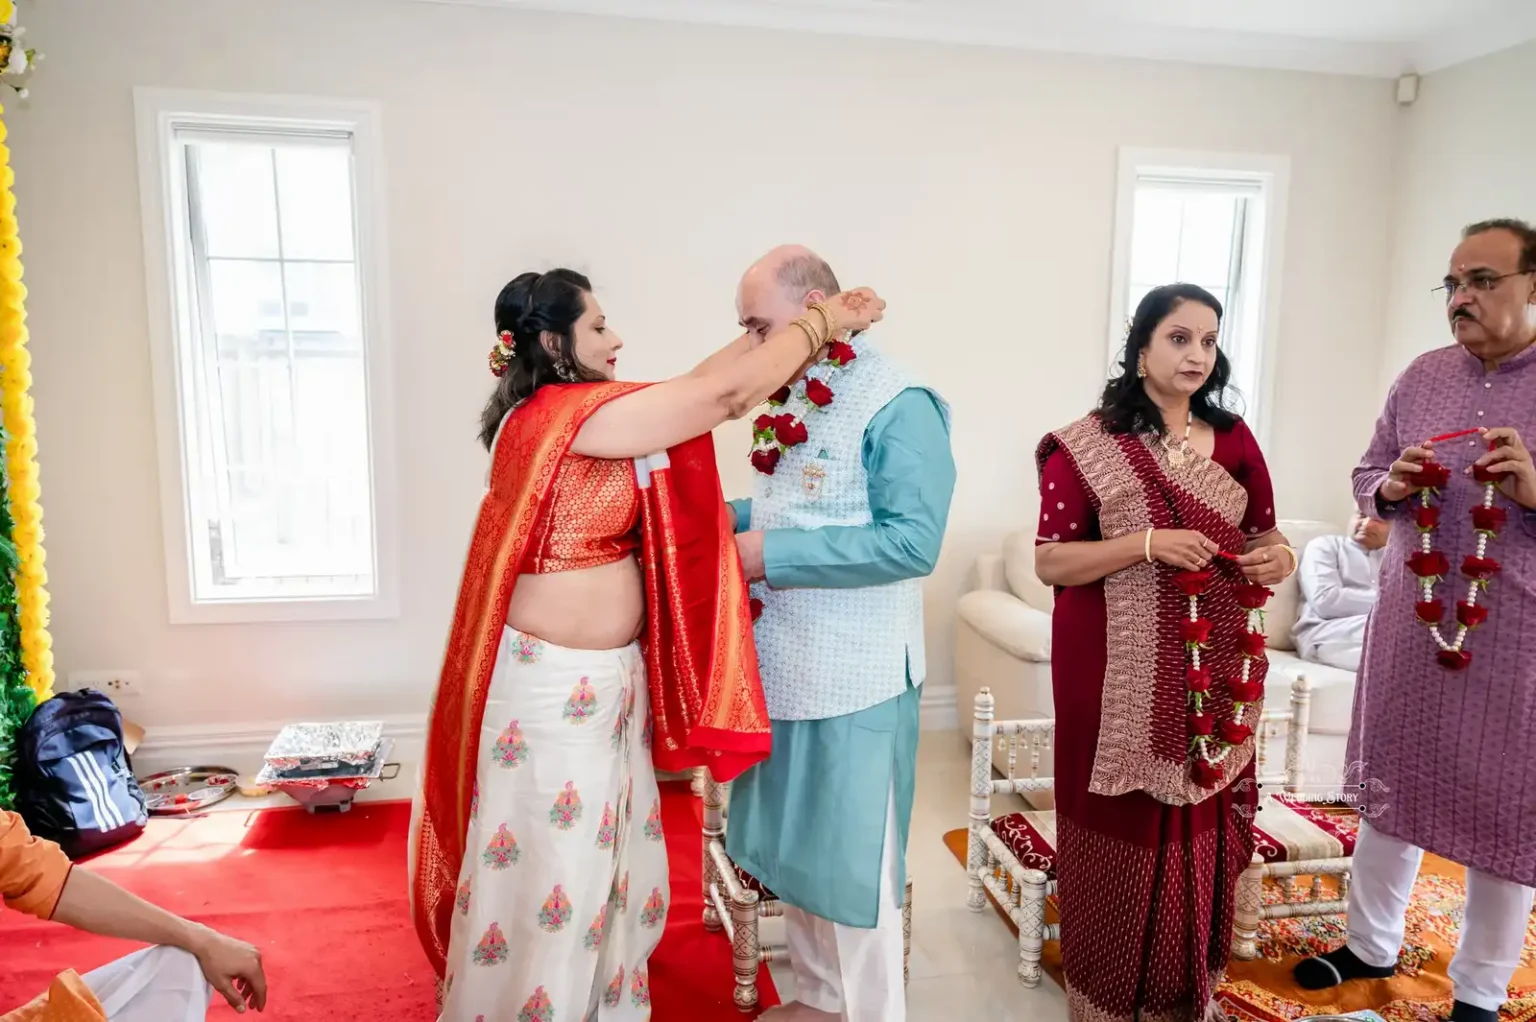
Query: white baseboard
{"type": "Point", "coordinates": [240, 748]}
{"type": "Point", "coordinates": [938, 710]}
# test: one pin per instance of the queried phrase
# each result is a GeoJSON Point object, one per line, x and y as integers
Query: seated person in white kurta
{"type": "Point", "coordinates": [837, 539]}
{"type": "Point", "coordinates": [1338, 577]}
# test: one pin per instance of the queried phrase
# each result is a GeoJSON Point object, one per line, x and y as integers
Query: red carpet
{"type": "Point", "coordinates": [324, 897]}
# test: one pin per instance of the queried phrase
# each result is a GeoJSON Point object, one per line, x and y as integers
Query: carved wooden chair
{"type": "Point", "coordinates": [1013, 857]}
{"type": "Point", "coordinates": [736, 902]}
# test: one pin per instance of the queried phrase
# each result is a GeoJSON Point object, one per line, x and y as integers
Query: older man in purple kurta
{"type": "Point", "coordinates": [1454, 745]}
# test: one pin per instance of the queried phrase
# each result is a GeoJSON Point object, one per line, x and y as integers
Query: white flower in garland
{"type": "Point", "coordinates": [16, 60]}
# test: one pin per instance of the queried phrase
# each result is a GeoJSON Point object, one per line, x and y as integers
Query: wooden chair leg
{"type": "Point", "coordinates": [906, 934]}
{"type": "Point", "coordinates": [714, 830]}
{"type": "Point", "coordinates": [746, 949]}
{"type": "Point", "coordinates": [1247, 900]}
{"type": "Point", "coordinates": [1032, 888]}
{"type": "Point", "coordinates": [981, 801]}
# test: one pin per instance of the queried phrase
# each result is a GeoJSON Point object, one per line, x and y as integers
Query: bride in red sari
{"type": "Point", "coordinates": [1156, 515]}
{"type": "Point", "coordinates": [602, 627]}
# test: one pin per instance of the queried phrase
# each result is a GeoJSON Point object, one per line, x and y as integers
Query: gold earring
{"type": "Point", "coordinates": [1141, 368]}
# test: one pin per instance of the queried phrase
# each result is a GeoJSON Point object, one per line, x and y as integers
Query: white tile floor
{"type": "Point", "coordinates": [963, 962]}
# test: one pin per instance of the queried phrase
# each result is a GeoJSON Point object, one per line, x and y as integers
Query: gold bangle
{"type": "Point", "coordinates": [1148, 546]}
{"type": "Point", "coordinates": [810, 333]}
{"type": "Point", "coordinates": [1295, 562]}
{"type": "Point", "coordinates": [828, 319]}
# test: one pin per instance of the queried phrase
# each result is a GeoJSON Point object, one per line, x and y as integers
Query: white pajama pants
{"type": "Point", "coordinates": [1492, 928]}
{"type": "Point", "coordinates": [851, 972]}
{"type": "Point", "coordinates": [563, 892]}
{"type": "Point", "coordinates": [157, 984]}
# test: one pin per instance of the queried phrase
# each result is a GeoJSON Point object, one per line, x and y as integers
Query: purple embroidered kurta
{"type": "Point", "coordinates": [1456, 750]}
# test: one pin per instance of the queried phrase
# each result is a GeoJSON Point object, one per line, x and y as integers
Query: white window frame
{"type": "Point", "coordinates": [158, 114]}
{"type": "Point", "coordinates": [1264, 256]}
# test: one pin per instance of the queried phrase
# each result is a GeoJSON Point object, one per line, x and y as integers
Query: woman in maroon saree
{"type": "Point", "coordinates": [1158, 495]}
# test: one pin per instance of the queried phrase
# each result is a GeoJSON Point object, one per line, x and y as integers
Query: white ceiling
{"type": "Point", "coordinates": [1381, 38]}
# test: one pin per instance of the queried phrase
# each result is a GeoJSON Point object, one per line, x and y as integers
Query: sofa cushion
{"type": "Point", "coordinates": [1019, 566]}
{"type": "Point", "coordinates": [1280, 614]}
{"type": "Point", "coordinates": [1333, 691]}
{"type": "Point", "coordinates": [1008, 623]}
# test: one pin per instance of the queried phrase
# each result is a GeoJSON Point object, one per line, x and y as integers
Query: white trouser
{"type": "Point", "coordinates": [1492, 928]}
{"type": "Point", "coordinates": [852, 972]}
{"type": "Point", "coordinates": [157, 984]}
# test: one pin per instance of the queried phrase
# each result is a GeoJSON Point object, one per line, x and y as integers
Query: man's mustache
{"type": "Point", "coordinates": [1463, 313]}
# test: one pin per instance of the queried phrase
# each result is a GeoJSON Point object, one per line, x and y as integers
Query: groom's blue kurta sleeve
{"type": "Point", "coordinates": [742, 510]}
{"type": "Point", "coordinates": [911, 471]}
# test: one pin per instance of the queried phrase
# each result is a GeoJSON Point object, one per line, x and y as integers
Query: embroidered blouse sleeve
{"type": "Point", "coordinates": [911, 473]}
{"type": "Point", "coordinates": [1253, 474]}
{"type": "Point", "coordinates": [1066, 512]}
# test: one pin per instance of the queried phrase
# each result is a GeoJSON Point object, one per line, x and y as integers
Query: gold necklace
{"type": "Point", "coordinates": [1180, 454]}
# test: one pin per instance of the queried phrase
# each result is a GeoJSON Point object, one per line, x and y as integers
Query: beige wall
{"type": "Point", "coordinates": [975, 188]}
{"type": "Point", "coordinates": [1468, 154]}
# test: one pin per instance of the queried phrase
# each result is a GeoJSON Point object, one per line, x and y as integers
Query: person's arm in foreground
{"type": "Point", "coordinates": [36, 878]}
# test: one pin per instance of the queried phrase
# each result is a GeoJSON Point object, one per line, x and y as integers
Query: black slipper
{"type": "Point", "coordinates": [1336, 967]}
{"type": "Point", "coordinates": [1461, 1011]}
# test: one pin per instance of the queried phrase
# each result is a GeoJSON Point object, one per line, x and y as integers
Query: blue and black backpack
{"type": "Point", "coordinates": [74, 783]}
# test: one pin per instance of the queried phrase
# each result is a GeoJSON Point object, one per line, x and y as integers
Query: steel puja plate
{"type": "Point", "coordinates": [323, 746]}
{"type": "Point", "coordinates": [188, 789]}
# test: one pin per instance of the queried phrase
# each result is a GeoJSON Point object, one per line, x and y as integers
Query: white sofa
{"type": "Point", "coordinates": [1003, 642]}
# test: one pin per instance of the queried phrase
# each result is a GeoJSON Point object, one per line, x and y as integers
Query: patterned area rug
{"type": "Point", "coordinates": [1263, 991]}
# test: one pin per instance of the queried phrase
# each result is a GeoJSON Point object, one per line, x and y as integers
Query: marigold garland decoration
{"type": "Point", "coordinates": [23, 490]}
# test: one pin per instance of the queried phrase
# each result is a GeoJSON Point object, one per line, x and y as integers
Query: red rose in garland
{"type": "Point", "coordinates": [1234, 733]}
{"type": "Point", "coordinates": [1252, 596]}
{"type": "Point", "coordinates": [1205, 773]}
{"type": "Point", "coordinates": [1212, 740]}
{"type": "Point", "coordinates": [1195, 632]}
{"type": "Point", "coordinates": [1454, 659]}
{"type": "Point", "coordinates": [1431, 565]}
{"type": "Point", "coordinates": [790, 432]}
{"type": "Point", "coordinates": [1251, 644]}
{"type": "Point", "coordinates": [1480, 567]}
{"type": "Point", "coordinates": [765, 461]}
{"type": "Point", "coordinates": [1470, 614]}
{"type": "Point", "coordinates": [1193, 583]}
{"type": "Point", "coordinates": [818, 393]}
{"type": "Point", "coordinates": [774, 435]}
{"type": "Point", "coordinates": [1488, 519]}
{"type": "Point", "coordinates": [840, 353]}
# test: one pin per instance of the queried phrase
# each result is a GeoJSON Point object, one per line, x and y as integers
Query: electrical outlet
{"type": "Point", "coordinates": [116, 685]}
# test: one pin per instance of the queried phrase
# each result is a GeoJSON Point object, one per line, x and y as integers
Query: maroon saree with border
{"type": "Point", "coordinates": [1147, 860]}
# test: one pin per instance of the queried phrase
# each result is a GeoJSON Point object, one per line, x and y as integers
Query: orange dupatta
{"type": "Point", "coordinates": [706, 695]}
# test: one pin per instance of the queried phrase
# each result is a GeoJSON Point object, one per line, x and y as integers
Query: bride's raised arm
{"type": "Point", "coordinates": [667, 413]}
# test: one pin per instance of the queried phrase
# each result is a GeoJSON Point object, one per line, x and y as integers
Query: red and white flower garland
{"type": "Point", "coordinates": [1210, 741]}
{"type": "Point", "coordinates": [1431, 566]}
{"type": "Point", "coordinates": [773, 435]}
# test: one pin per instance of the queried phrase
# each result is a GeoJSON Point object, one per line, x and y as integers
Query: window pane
{"type": "Point", "coordinates": [1205, 251]}
{"type": "Point", "coordinates": [322, 299]}
{"type": "Point", "coordinates": [314, 188]}
{"type": "Point", "coordinates": [247, 298]}
{"type": "Point", "coordinates": [236, 199]}
{"type": "Point", "coordinates": [1155, 237]}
